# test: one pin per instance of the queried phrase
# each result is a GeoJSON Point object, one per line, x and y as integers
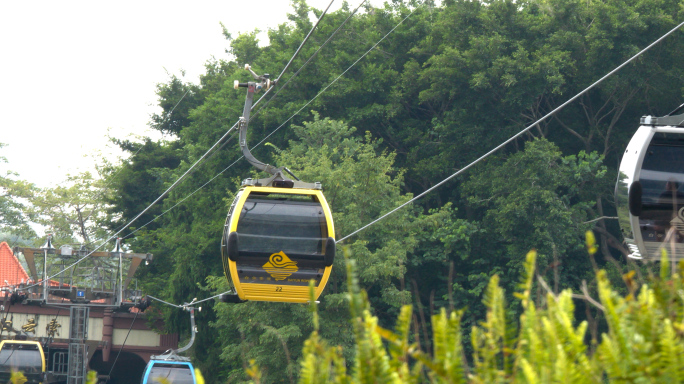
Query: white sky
{"type": "Point", "coordinates": [72, 70]}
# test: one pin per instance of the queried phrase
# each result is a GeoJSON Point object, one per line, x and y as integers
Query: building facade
{"type": "Point", "coordinates": [120, 342]}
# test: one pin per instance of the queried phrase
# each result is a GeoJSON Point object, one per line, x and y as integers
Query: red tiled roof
{"type": "Point", "coordinates": [11, 271]}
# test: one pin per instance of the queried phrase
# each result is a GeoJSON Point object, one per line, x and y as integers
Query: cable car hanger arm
{"type": "Point", "coordinates": [263, 82]}
{"type": "Point", "coordinates": [277, 178]}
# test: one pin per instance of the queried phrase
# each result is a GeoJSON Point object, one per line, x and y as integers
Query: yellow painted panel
{"type": "Point", "coordinates": [264, 292]}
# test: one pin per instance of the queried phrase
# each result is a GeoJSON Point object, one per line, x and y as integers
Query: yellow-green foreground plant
{"type": "Point", "coordinates": [644, 342]}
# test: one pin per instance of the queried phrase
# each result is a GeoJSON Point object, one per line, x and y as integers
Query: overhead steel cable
{"type": "Point", "coordinates": [188, 196]}
{"type": "Point", "coordinates": [201, 159]}
{"type": "Point", "coordinates": [182, 200]}
{"type": "Point", "coordinates": [303, 42]}
{"type": "Point", "coordinates": [280, 88]}
{"type": "Point", "coordinates": [115, 235]}
{"type": "Point", "coordinates": [306, 38]}
{"type": "Point", "coordinates": [122, 347]}
{"type": "Point", "coordinates": [165, 302]}
{"type": "Point", "coordinates": [460, 171]}
{"type": "Point", "coordinates": [213, 297]}
{"type": "Point", "coordinates": [290, 118]}
{"type": "Point", "coordinates": [275, 82]}
{"type": "Point", "coordinates": [99, 194]}
{"type": "Point", "coordinates": [337, 78]}
{"type": "Point", "coordinates": [186, 306]}
{"type": "Point", "coordinates": [234, 125]}
{"type": "Point", "coordinates": [288, 64]}
{"type": "Point", "coordinates": [193, 302]}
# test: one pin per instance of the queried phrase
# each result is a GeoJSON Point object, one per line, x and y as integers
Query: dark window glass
{"type": "Point", "coordinates": [279, 222]}
{"type": "Point", "coordinates": [21, 357]}
{"type": "Point", "coordinates": [174, 373]}
{"type": "Point", "coordinates": [662, 181]}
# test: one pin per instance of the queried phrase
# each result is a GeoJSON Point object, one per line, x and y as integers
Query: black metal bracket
{"type": "Point", "coordinates": [231, 298]}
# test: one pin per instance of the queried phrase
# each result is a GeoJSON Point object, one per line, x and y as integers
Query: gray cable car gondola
{"type": "Point", "coordinates": [650, 188]}
{"type": "Point", "coordinates": [279, 233]}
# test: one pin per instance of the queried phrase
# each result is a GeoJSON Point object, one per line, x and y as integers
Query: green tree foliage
{"type": "Point", "coordinates": [140, 180]}
{"type": "Point", "coordinates": [487, 69]}
{"type": "Point", "coordinates": [363, 183]}
{"type": "Point", "coordinates": [75, 211]}
{"type": "Point", "coordinates": [177, 99]}
{"type": "Point", "coordinates": [448, 84]}
{"type": "Point", "coordinates": [534, 198]}
{"type": "Point", "coordinates": [14, 220]}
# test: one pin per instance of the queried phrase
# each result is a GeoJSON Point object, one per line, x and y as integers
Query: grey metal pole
{"type": "Point", "coordinates": [252, 87]}
{"type": "Point", "coordinates": [45, 280]}
{"type": "Point", "coordinates": [192, 331]}
{"type": "Point", "coordinates": [120, 300]}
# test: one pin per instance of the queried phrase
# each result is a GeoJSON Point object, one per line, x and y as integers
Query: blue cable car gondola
{"type": "Point", "coordinates": [170, 367]}
{"type": "Point", "coordinates": [650, 189]}
{"type": "Point", "coordinates": [176, 372]}
{"type": "Point", "coordinates": [279, 233]}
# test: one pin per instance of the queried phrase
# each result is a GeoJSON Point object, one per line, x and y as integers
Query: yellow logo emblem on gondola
{"type": "Point", "coordinates": [280, 267]}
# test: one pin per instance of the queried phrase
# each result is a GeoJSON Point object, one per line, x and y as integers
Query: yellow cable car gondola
{"type": "Point", "coordinates": [22, 356]}
{"type": "Point", "coordinates": [279, 233]}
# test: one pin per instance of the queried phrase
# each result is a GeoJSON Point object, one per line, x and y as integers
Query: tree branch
{"type": "Point", "coordinates": [584, 289]}
{"type": "Point", "coordinates": [612, 241]}
{"type": "Point", "coordinates": [600, 218]}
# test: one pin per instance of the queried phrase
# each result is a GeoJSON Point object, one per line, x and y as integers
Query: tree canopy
{"type": "Point", "coordinates": [14, 219]}
{"type": "Point", "coordinates": [449, 83]}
